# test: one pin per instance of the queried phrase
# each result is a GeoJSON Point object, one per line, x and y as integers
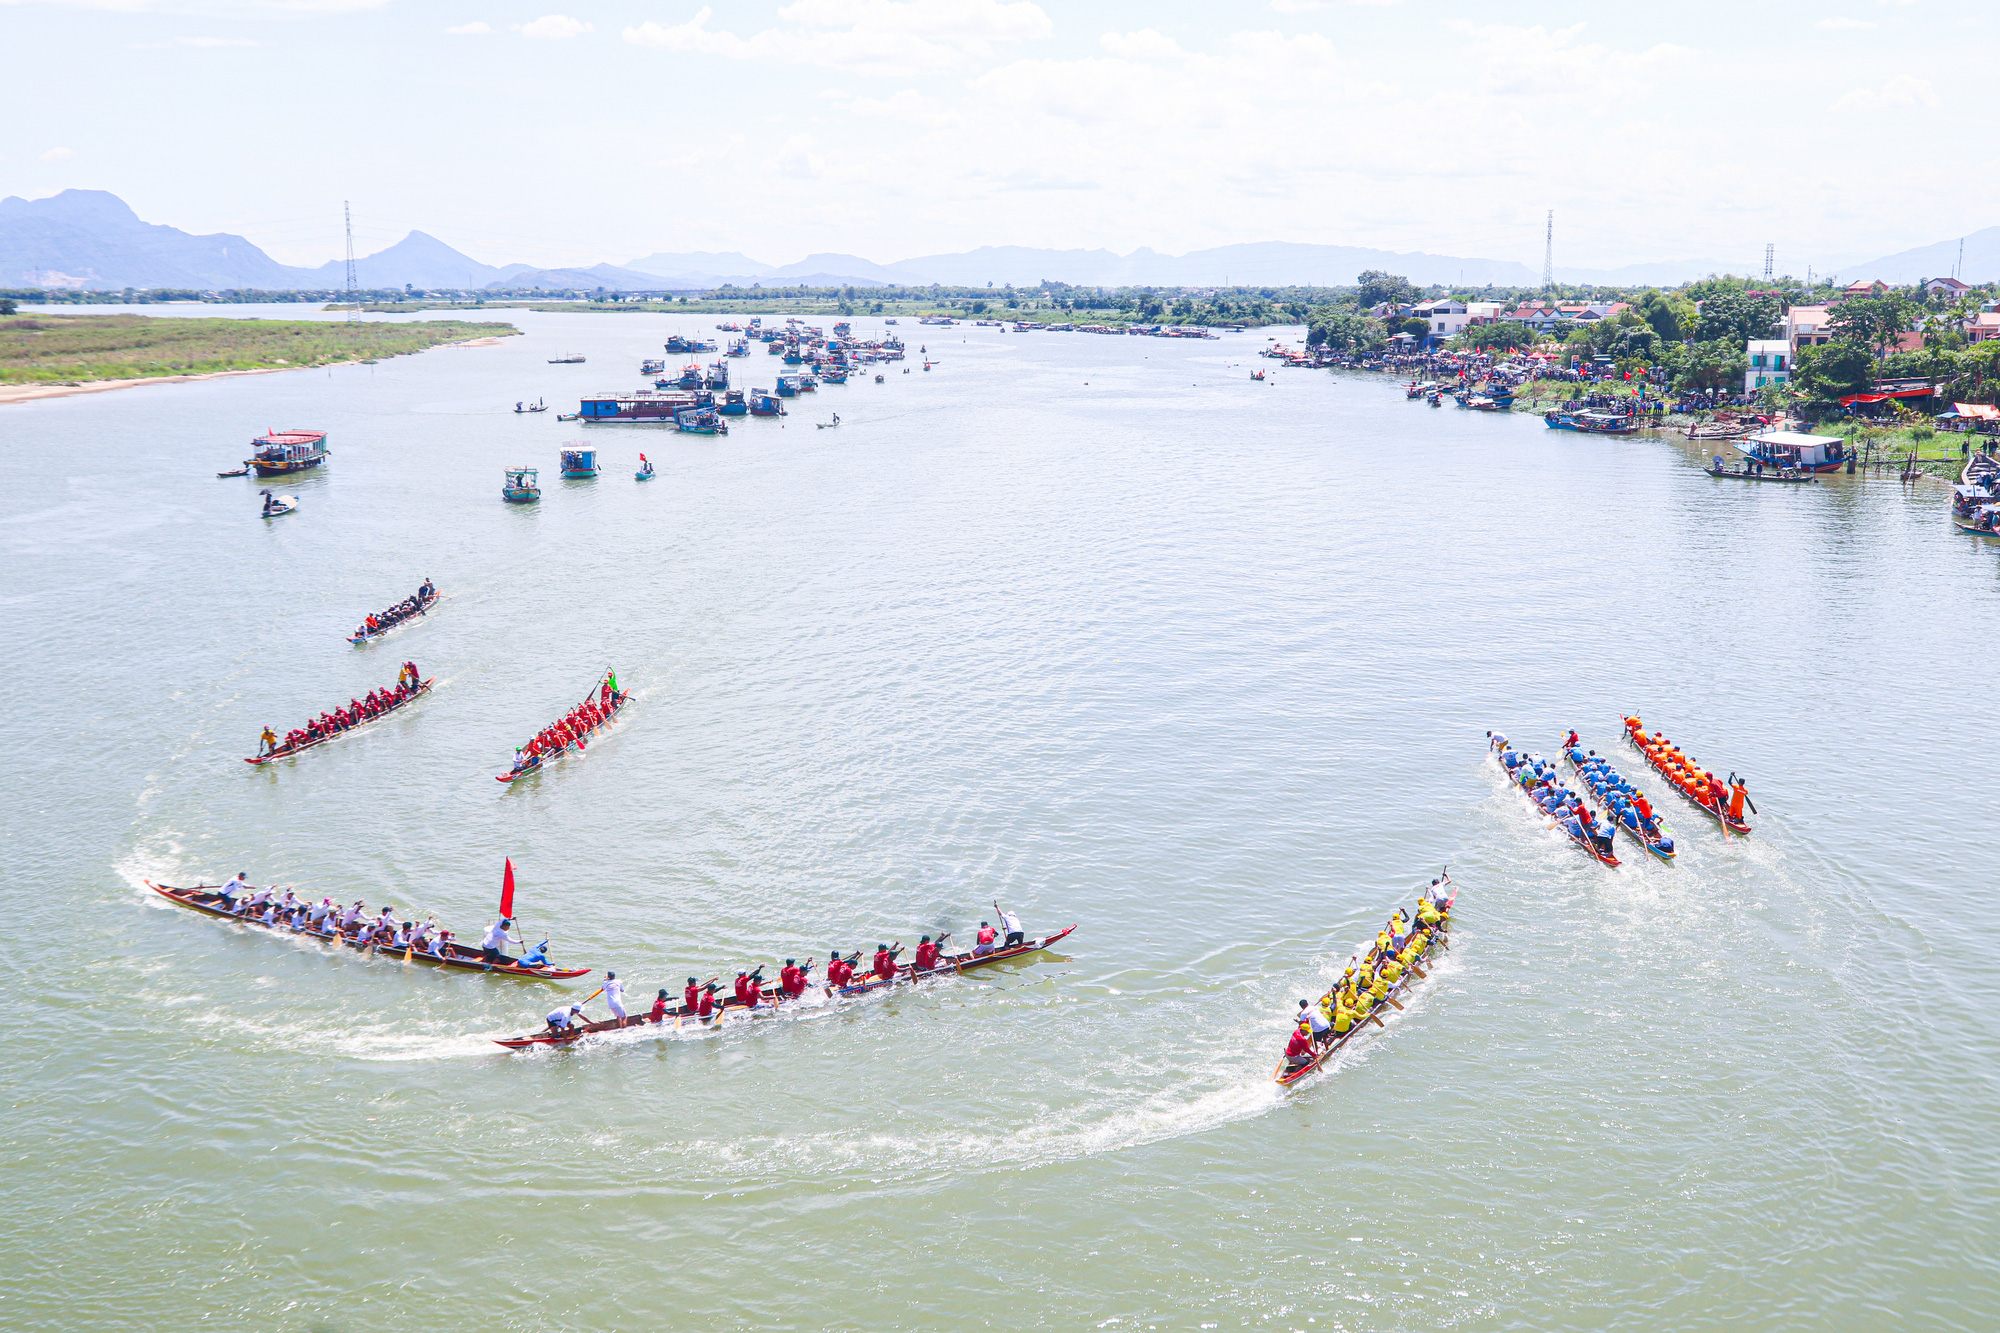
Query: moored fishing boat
{"type": "Point", "coordinates": [572, 359]}
{"type": "Point", "coordinates": [1981, 469]}
{"type": "Point", "coordinates": [579, 462]}
{"type": "Point", "coordinates": [1692, 781]}
{"type": "Point", "coordinates": [279, 453]}
{"type": "Point", "coordinates": [1785, 448]}
{"type": "Point", "coordinates": [1559, 807]}
{"type": "Point", "coordinates": [763, 403]}
{"type": "Point", "coordinates": [208, 899]}
{"type": "Point", "coordinates": [1344, 1002]}
{"type": "Point", "coordinates": [700, 421]}
{"type": "Point", "coordinates": [1745, 472]}
{"type": "Point", "coordinates": [733, 403]}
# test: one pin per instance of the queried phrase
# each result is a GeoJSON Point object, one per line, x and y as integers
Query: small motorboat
{"type": "Point", "coordinates": [537, 406]}
{"type": "Point", "coordinates": [1256, 374]}
{"type": "Point", "coordinates": [523, 486]}
{"type": "Point", "coordinates": [878, 379]}
{"type": "Point", "coordinates": [275, 505]}
{"type": "Point", "coordinates": [645, 472]}
{"type": "Point", "coordinates": [244, 471]}
{"type": "Point", "coordinates": [828, 425]}
{"type": "Point", "coordinates": [573, 359]}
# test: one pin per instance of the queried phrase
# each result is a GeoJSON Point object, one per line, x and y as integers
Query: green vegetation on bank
{"type": "Point", "coordinates": [59, 349]}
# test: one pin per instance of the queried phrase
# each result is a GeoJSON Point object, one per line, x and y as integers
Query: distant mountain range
{"type": "Point", "coordinates": [93, 239]}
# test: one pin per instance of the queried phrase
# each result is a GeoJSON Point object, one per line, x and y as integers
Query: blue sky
{"type": "Point", "coordinates": [892, 128]}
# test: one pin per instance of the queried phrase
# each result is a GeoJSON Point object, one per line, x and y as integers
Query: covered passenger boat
{"type": "Point", "coordinates": [279, 453]}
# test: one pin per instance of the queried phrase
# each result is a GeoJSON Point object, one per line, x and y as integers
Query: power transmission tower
{"type": "Point", "coordinates": [1549, 255]}
{"type": "Point", "coordinates": [1958, 269]}
{"type": "Point", "coordinates": [1770, 250]}
{"type": "Point", "coordinates": [353, 287]}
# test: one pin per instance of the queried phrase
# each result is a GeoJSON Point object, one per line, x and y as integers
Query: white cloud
{"type": "Point", "coordinates": [1905, 90]}
{"type": "Point", "coordinates": [863, 36]}
{"type": "Point", "coordinates": [1145, 44]}
{"type": "Point", "coordinates": [1842, 25]}
{"type": "Point", "coordinates": [1301, 6]}
{"type": "Point", "coordinates": [470, 30]}
{"type": "Point", "coordinates": [59, 155]}
{"type": "Point", "coordinates": [798, 160]}
{"type": "Point", "coordinates": [555, 27]}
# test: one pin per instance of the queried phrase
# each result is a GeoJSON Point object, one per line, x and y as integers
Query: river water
{"type": "Point", "coordinates": [1099, 628]}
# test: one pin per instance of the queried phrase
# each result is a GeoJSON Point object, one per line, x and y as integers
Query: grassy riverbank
{"type": "Point", "coordinates": [79, 349]}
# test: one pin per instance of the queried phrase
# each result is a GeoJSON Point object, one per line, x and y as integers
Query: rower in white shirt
{"type": "Point", "coordinates": [240, 885]}
{"type": "Point", "coordinates": [614, 995]}
{"type": "Point", "coordinates": [496, 941]}
{"type": "Point", "coordinates": [351, 917]}
{"type": "Point", "coordinates": [321, 911]}
{"type": "Point", "coordinates": [1012, 925]}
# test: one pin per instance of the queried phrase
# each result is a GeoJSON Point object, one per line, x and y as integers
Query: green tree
{"type": "Point", "coordinates": [7, 306]}
{"type": "Point", "coordinates": [1506, 335]}
{"type": "Point", "coordinates": [1871, 321]}
{"type": "Point", "coordinates": [1669, 317]}
{"type": "Point", "coordinates": [1832, 370]}
{"type": "Point", "coordinates": [1379, 288]}
{"type": "Point", "coordinates": [1342, 330]}
{"type": "Point", "coordinates": [1716, 364]}
{"type": "Point", "coordinates": [1738, 316]}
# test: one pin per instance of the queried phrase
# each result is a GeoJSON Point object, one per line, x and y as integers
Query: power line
{"type": "Point", "coordinates": [1770, 251]}
{"type": "Point", "coordinates": [1549, 254]}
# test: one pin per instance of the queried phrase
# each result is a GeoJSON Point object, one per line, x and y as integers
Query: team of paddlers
{"type": "Point", "coordinates": [267, 907]}
{"type": "Point", "coordinates": [406, 609]}
{"type": "Point", "coordinates": [573, 727]}
{"type": "Point", "coordinates": [704, 1002]}
{"type": "Point", "coordinates": [1723, 800]}
{"type": "Point", "coordinates": [1399, 946]}
{"type": "Point", "coordinates": [1545, 788]}
{"type": "Point", "coordinates": [1624, 804]}
{"type": "Point", "coordinates": [344, 717]}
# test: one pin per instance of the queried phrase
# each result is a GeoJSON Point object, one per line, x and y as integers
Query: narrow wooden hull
{"type": "Point", "coordinates": [422, 690]}
{"type": "Point", "coordinates": [1719, 815]}
{"type": "Point", "coordinates": [1288, 1074]}
{"type": "Point", "coordinates": [553, 755]}
{"type": "Point", "coordinates": [205, 899]}
{"type": "Point", "coordinates": [1583, 844]}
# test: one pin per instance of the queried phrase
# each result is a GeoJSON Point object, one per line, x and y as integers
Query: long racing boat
{"type": "Point", "coordinates": [1522, 776]}
{"type": "Point", "coordinates": [673, 1017]}
{"type": "Point", "coordinates": [535, 762]}
{"type": "Point", "coordinates": [1683, 774]}
{"type": "Point", "coordinates": [207, 899]}
{"type": "Point", "coordinates": [1288, 1074]}
{"type": "Point", "coordinates": [1616, 795]}
{"type": "Point", "coordinates": [290, 748]}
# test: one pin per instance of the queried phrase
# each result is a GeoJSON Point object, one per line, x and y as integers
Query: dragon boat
{"type": "Point", "coordinates": [1497, 746]}
{"type": "Point", "coordinates": [392, 619]}
{"type": "Point", "coordinates": [674, 1016]}
{"type": "Point", "coordinates": [1673, 765]}
{"type": "Point", "coordinates": [400, 701]}
{"type": "Point", "coordinates": [537, 762]}
{"type": "Point", "coordinates": [1287, 1075]}
{"type": "Point", "coordinates": [1611, 790]}
{"type": "Point", "coordinates": [208, 899]}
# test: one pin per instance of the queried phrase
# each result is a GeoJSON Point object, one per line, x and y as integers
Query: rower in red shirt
{"type": "Point", "coordinates": [742, 986]}
{"type": "Point", "coordinates": [705, 1010]}
{"type": "Point", "coordinates": [753, 994]}
{"type": "Point", "coordinates": [885, 962]}
{"type": "Point", "coordinates": [985, 937]}
{"type": "Point", "coordinates": [691, 997]}
{"type": "Point", "coordinates": [1298, 1051]}
{"type": "Point", "coordinates": [659, 1014]}
{"type": "Point", "coordinates": [792, 980]}
{"type": "Point", "coordinates": [927, 954]}
{"type": "Point", "coordinates": [839, 971]}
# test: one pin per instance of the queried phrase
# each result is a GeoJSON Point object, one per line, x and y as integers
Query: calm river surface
{"type": "Point", "coordinates": [1100, 628]}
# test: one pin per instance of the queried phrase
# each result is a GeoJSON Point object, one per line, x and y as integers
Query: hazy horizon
{"type": "Point", "coordinates": [892, 129]}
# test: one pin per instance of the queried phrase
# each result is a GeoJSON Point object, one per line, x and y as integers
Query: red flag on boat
{"type": "Point", "coordinates": [507, 890]}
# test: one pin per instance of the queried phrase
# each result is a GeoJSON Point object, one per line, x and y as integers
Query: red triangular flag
{"type": "Point", "coordinates": [507, 890]}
